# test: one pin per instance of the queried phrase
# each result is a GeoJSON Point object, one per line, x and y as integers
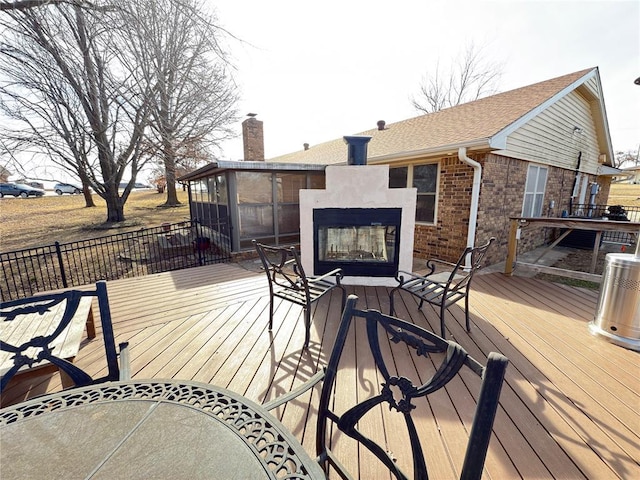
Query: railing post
{"type": "Point", "coordinates": [511, 247]}
{"type": "Point", "coordinates": [197, 244]}
{"type": "Point", "coordinates": [61, 265]}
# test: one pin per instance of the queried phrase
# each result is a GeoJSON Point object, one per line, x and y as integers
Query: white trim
{"type": "Point", "coordinates": [442, 150]}
{"type": "Point", "coordinates": [607, 171]}
{"type": "Point", "coordinates": [475, 200]}
{"type": "Point", "coordinates": [537, 189]}
{"type": "Point", "coordinates": [501, 136]}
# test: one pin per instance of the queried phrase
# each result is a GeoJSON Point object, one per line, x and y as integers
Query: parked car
{"type": "Point", "coordinates": [136, 185]}
{"type": "Point", "coordinates": [19, 190]}
{"type": "Point", "coordinates": [61, 188]}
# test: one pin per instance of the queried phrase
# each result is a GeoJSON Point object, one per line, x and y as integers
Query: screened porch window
{"type": "Point", "coordinates": [268, 205]}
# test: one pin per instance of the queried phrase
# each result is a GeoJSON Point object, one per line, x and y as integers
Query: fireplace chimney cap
{"type": "Point", "coordinates": [357, 149]}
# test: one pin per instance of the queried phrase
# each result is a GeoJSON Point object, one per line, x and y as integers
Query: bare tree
{"type": "Point", "coordinates": [67, 90]}
{"type": "Point", "coordinates": [470, 78]}
{"type": "Point", "coordinates": [178, 52]}
{"type": "Point", "coordinates": [50, 114]}
{"type": "Point", "coordinates": [28, 4]}
{"type": "Point", "coordinates": [626, 159]}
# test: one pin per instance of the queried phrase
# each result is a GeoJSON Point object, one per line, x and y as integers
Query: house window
{"type": "Point", "coordinates": [534, 191]}
{"type": "Point", "coordinates": [425, 179]}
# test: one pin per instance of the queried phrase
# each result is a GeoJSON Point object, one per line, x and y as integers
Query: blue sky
{"type": "Point", "coordinates": [315, 71]}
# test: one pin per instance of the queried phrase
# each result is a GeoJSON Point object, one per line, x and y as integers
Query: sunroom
{"type": "Point", "coordinates": [251, 199]}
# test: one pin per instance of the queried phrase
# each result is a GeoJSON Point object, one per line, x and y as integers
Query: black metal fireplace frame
{"type": "Point", "coordinates": [356, 217]}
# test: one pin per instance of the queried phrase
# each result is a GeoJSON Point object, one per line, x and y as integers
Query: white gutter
{"type": "Point", "coordinates": [475, 198]}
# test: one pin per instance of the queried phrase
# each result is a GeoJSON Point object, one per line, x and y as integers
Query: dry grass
{"type": "Point", "coordinates": [624, 194]}
{"type": "Point", "coordinates": [33, 222]}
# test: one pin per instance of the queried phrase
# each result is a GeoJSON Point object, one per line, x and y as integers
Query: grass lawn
{"type": "Point", "coordinates": [624, 194]}
{"type": "Point", "coordinates": [33, 222]}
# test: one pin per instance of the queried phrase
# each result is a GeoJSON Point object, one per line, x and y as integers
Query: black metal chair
{"type": "Point", "coordinates": [39, 349]}
{"type": "Point", "coordinates": [287, 280]}
{"type": "Point", "coordinates": [397, 393]}
{"type": "Point", "coordinates": [443, 288]}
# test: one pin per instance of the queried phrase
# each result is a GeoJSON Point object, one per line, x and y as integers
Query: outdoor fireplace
{"type": "Point", "coordinates": [358, 223]}
{"type": "Point", "coordinates": [362, 241]}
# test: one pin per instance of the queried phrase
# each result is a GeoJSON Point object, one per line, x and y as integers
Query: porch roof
{"type": "Point", "coordinates": [219, 166]}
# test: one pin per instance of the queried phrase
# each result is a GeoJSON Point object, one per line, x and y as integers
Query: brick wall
{"type": "Point", "coordinates": [448, 238]}
{"type": "Point", "coordinates": [501, 197]}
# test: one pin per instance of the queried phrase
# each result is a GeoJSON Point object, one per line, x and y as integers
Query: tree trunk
{"type": "Point", "coordinates": [115, 206]}
{"type": "Point", "coordinates": [172, 194]}
{"type": "Point", "coordinates": [170, 169]}
{"type": "Point", "coordinates": [88, 198]}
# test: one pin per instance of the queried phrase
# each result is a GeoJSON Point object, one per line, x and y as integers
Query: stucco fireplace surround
{"type": "Point", "coordinates": [365, 227]}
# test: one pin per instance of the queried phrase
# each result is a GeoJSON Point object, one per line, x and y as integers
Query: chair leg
{"type": "Point", "coordinates": [466, 312]}
{"type": "Point", "coordinates": [442, 313]}
{"type": "Point", "coordinates": [307, 326]}
{"type": "Point", "coordinates": [271, 313]}
{"type": "Point", "coordinates": [391, 306]}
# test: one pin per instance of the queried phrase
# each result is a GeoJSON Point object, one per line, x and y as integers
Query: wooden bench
{"type": "Point", "coordinates": [23, 328]}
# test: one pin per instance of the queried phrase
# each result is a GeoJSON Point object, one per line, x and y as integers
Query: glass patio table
{"type": "Point", "coordinates": [148, 429]}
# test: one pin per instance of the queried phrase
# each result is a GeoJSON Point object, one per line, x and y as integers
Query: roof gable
{"type": "Point", "coordinates": [484, 123]}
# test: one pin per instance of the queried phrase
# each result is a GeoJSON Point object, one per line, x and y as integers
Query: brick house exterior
{"type": "Point", "coordinates": [559, 126]}
{"type": "Point", "coordinates": [500, 199]}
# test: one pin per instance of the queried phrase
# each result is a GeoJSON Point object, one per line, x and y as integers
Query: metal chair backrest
{"type": "Point", "coordinates": [287, 280]}
{"type": "Point", "coordinates": [282, 266]}
{"type": "Point", "coordinates": [40, 304]}
{"type": "Point", "coordinates": [400, 393]}
{"type": "Point", "coordinates": [469, 262]}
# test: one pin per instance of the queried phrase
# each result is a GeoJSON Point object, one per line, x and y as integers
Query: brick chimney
{"type": "Point", "coordinates": [253, 139]}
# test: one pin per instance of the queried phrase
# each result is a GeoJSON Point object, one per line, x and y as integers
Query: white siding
{"type": "Point", "coordinates": [550, 139]}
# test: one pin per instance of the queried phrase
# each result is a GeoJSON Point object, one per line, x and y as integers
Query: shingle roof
{"type": "Point", "coordinates": [466, 123]}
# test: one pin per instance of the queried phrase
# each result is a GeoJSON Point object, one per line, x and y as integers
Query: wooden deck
{"type": "Point", "coordinates": [570, 407]}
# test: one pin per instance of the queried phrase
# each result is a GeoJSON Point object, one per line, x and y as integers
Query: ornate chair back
{"type": "Point", "coordinates": [41, 348]}
{"type": "Point", "coordinates": [287, 280]}
{"type": "Point", "coordinates": [443, 288]}
{"type": "Point", "coordinates": [394, 345]}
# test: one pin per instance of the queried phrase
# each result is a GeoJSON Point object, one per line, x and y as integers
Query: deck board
{"type": "Point", "coordinates": [570, 405]}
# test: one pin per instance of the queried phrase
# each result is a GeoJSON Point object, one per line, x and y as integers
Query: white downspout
{"type": "Point", "coordinates": [475, 199]}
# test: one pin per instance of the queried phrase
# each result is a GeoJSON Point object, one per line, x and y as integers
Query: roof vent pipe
{"type": "Point", "coordinates": [381, 124]}
{"type": "Point", "coordinates": [357, 149]}
{"type": "Point", "coordinates": [306, 146]}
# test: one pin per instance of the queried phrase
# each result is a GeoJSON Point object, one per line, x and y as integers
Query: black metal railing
{"type": "Point", "coordinates": [132, 254]}
{"type": "Point", "coordinates": [618, 213]}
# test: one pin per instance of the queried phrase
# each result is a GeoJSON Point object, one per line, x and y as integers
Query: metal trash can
{"type": "Point", "coordinates": [618, 311]}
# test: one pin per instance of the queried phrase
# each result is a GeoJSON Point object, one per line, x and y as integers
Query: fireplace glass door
{"type": "Point", "coordinates": [357, 244]}
{"type": "Point", "coordinates": [362, 242]}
